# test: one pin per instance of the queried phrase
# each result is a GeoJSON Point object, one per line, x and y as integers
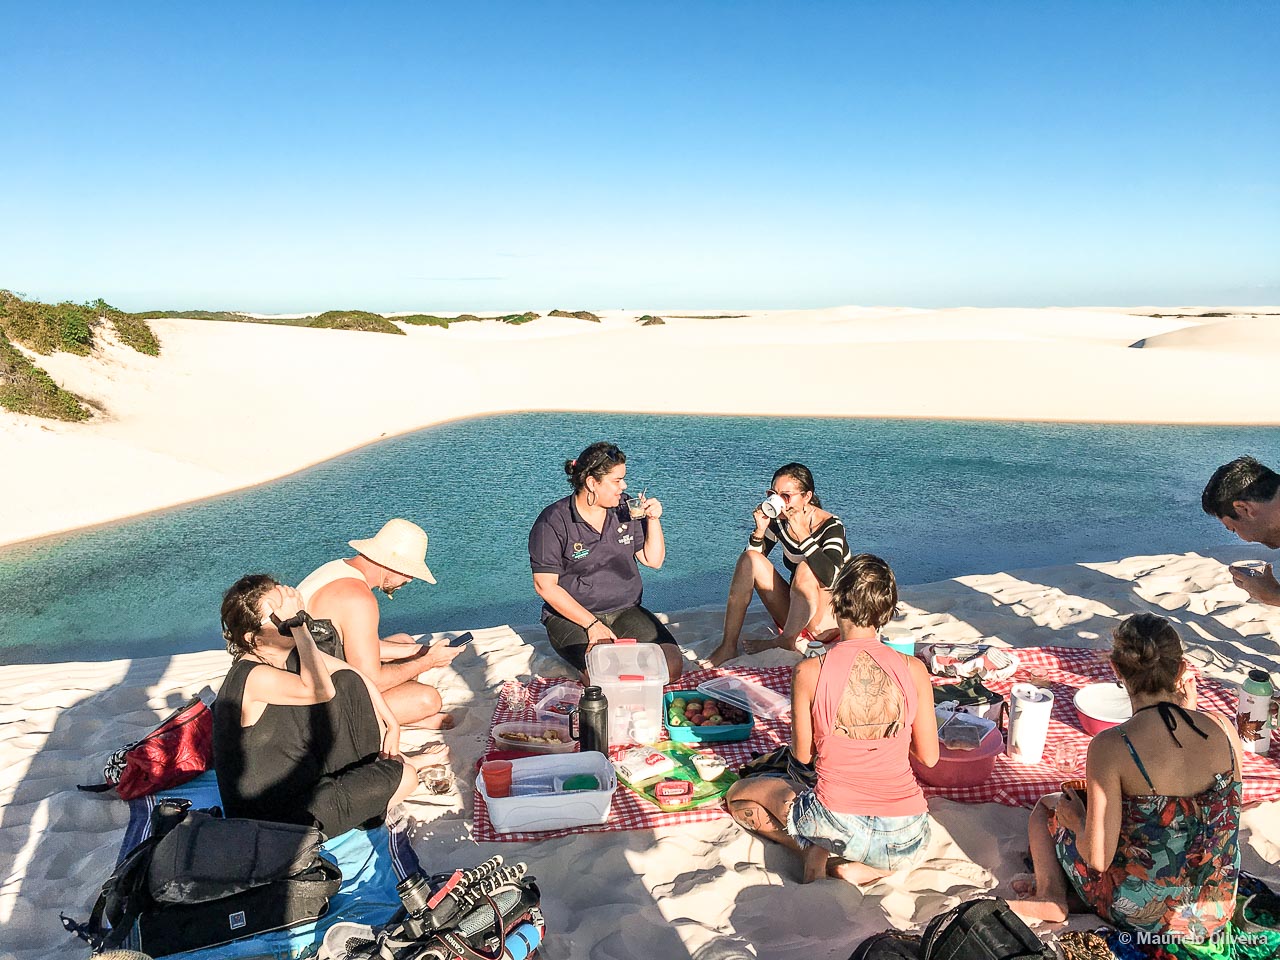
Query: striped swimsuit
{"type": "Point", "coordinates": [826, 550]}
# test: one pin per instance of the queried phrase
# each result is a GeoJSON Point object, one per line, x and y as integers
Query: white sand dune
{"type": "Point", "coordinates": [189, 424]}
{"type": "Point", "coordinates": [1259, 333]}
{"type": "Point", "coordinates": [708, 890]}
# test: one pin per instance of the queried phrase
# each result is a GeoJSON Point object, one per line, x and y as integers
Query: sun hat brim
{"type": "Point", "coordinates": [408, 566]}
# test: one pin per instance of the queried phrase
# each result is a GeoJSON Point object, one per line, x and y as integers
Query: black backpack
{"type": "Point", "coordinates": [982, 929]}
{"type": "Point", "coordinates": [199, 881]}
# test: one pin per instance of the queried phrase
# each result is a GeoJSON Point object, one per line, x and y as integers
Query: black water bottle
{"type": "Point", "coordinates": [590, 725]}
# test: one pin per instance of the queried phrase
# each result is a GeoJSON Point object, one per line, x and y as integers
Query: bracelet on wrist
{"type": "Point", "coordinates": [755, 541]}
{"type": "Point", "coordinates": [591, 624]}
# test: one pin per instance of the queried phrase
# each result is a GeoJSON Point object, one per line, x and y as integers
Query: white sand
{"type": "Point", "coordinates": [626, 895]}
{"type": "Point", "coordinates": [173, 431]}
{"type": "Point", "coordinates": [174, 427]}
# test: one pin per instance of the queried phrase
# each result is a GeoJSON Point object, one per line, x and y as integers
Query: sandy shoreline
{"type": "Point", "coordinates": [699, 891]}
{"type": "Point", "coordinates": [175, 426]}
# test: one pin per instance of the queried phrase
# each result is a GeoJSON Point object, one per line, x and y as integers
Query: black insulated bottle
{"type": "Point", "coordinates": [591, 721]}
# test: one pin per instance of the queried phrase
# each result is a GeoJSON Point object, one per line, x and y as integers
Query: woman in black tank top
{"type": "Point", "coordinates": [300, 745]}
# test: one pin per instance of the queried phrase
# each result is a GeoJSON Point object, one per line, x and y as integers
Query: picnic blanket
{"type": "Point", "coordinates": [1062, 669]}
{"type": "Point", "coordinates": [372, 863]}
{"type": "Point", "coordinates": [1013, 784]}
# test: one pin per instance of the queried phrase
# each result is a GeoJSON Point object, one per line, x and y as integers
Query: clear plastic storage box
{"type": "Point", "coordinates": [631, 676]}
{"type": "Point", "coordinates": [557, 703]}
{"type": "Point", "coordinates": [554, 809]}
{"type": "Point", "coordinates": [748, 695]}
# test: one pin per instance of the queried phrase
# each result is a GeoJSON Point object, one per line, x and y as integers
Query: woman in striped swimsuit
{"type": "Point", "coordinates": [814, 550]}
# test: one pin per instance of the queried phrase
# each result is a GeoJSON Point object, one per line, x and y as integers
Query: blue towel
{"type": "Point", "coordinates": [372, 863]}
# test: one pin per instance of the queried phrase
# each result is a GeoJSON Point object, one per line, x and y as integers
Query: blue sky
{"type": "Point", "coordinates": [478, 156]}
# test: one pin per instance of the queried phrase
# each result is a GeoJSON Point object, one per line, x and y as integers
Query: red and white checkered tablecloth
{"type": "Point", "coordinates": [1065, 671]}
{"type": "Point", "coordinates": [1012, 783]}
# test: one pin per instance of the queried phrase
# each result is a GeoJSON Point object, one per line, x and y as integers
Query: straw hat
{"type": "Point", "coordinates": [400, 546]}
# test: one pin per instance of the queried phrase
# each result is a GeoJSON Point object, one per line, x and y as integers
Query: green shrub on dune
{"type": "Point", "coordinates": [518, 318]}
{"type": "Point", "coordinates": [576, 315]}
{"type": "Point", "coordinates": [132, 330]}
{"type": "Point", "coordinates": [355, 320]}
{"type": "Point", "coordinates": [25, 388]}
{"type": "Point", "coordinates": [46, 327]}
{"type": "Point", "coordinates": [68, 327]}
{"type": "Point", "coordinates": [430, 320]}
{"type": "Point", "coordinates": [228, 315]}
{"type": "Point", "coordinates": [135, 333]}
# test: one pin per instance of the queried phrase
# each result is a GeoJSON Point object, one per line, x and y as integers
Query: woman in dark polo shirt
{"type": "Point", "coordinates": [585, 551]}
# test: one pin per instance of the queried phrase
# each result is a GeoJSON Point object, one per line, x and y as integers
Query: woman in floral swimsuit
{"type": "Point", "coordinates": [1155, 847]}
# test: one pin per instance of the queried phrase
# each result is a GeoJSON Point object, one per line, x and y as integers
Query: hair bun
{"type": "Point", "coordinates": [1147, 653]}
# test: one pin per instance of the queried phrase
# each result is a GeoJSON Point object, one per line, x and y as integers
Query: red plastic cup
{"type": "Point", "coordinates": [497, 777]}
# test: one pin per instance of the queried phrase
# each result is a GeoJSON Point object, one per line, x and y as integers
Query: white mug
{"type": "Point", "coordinates": [773, 506]}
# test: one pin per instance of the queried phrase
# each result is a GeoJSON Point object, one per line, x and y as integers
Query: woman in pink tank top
{"type": "Point", "coordinates": [858, 712]}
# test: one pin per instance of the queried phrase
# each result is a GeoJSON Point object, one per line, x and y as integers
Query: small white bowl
{"type": "Point", "coordinates": [709, 767]}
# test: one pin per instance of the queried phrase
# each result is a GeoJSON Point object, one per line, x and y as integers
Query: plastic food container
{"type": "Point", "coordinates": [899, 639]}
{"type": "Point", "coordinates": [532, 813]}
{"type": "Point", "coordinates": [631, 676]}
{"type": "Point", "coordinates": [962, 768]}
{"type": "Point", "coordinates": [959, 727]}
{"type": "Point", "coordinates": [504, 740]}
{"type": "Point", "coordinates": [1100, 706]}
{"type": "Point", "coordinates": [748, 695]}
{"type": "Point", "coordinates": [690, 733]}
{"type": "Point", "coordinates": [558, 702]}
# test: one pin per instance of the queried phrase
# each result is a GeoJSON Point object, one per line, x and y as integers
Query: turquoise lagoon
{"type": "Point", "coordinates": [936, 498]}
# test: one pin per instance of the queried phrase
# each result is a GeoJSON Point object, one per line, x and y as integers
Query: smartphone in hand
{"type": "Point", "coordinates": [461, 640]}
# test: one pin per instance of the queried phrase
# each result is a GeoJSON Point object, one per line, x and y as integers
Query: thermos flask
{"type": "Point", "coordinates": [589, 724]}
{"type": "Point", "coordinates": [1253, 712]}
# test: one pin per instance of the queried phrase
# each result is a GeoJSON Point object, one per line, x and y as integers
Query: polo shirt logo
{"type": "Point", "coordinates": [579, 551]}
{"type": "Point", "coordinates": [627, 539]}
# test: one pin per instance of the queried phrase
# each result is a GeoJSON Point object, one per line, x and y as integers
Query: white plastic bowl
{"type": "Point", "coordinates": [1100, 706]}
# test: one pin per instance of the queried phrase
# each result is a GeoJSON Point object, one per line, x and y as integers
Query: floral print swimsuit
{"type": "Point", "coordinates": [1176, 867]}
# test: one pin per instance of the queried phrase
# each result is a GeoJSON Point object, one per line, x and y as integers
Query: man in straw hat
{"type": "Point", "coordinates": [342, 591]}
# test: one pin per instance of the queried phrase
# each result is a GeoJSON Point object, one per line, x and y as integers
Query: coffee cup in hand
{"type": "Point", "coordinates": [1250, 568]}
{"type": "Point", "coordinates": [773, 506]}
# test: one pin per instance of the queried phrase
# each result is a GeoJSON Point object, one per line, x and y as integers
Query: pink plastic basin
{"type": "Point", "coordinates": [962, 768]}
{"type": "Point", "coordinates": [1100, 706]}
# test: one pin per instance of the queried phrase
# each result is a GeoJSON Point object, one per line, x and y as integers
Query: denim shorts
{"type": "Point", "coordinates": [883, 843]}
